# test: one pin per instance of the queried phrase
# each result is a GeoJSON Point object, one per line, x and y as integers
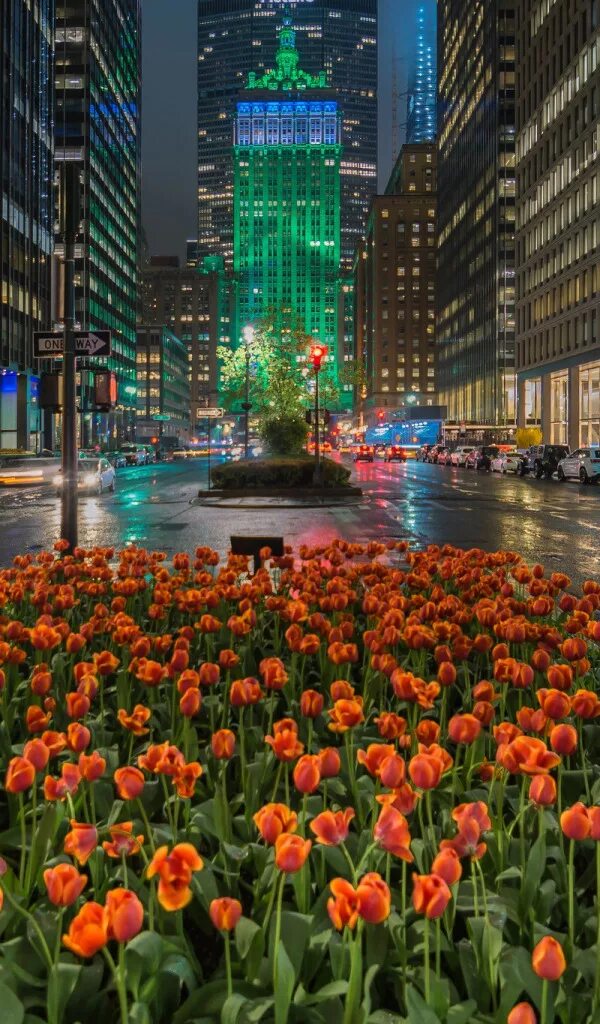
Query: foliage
{"type": "Point", "coordinates": [278, 473]}
{"type": "Point", "coordinates": [526, 437]}
{"type": "Point", "coordinates": [284, 434]}
{"type": "Point", "coordinates": [359, 787]}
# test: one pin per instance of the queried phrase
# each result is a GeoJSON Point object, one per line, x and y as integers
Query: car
{"type": "Point", "coordinates": [324, 447]}
{"type": "Point", "coordinates": [481, 458]}
{"type": "Point", "coordinates": [423, 452]}
{"type": "Point", "coordinates": [135, 454]}
{"type": "Point", "coordinates": [434, 453]}
{"type": "Point", "coordinates": [459, 455]}
{"type": "Point", "coordinates": [93, 475]}
{"type": "Point", "coordinates": [27, 471]}
{"type": "Point", "coordinates": [543, 459]}
{"type": "Point", "coordinates": [116, 459]}
{"type": "Point", "coordinates": [394, 453]}
{"type": "Point", "coordinates": [379, 451]}
{"type": "Point", "coordinates": [443, 457]}
{"type": "Point", "coordinates": [507, 461]}
{"type": "Point", "coordinates": [582, 464]}
{"type": "Point", "coordinates": [363, 453]}
{"type": "Point", "coordinates": [150, 452]}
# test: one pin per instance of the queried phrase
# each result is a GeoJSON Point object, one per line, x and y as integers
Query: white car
{"type": "Point", "coordinates": [507, 461]}
{"type": "Point", "coordinates": [459, 455]}
{"type": "Point", "coordinates": [93, 475]}
{"type": "Point", "coordinates": [582, 465]}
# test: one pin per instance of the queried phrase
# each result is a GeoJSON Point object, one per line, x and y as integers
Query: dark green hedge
{"type": "Point", "coordinates": [276, 472]}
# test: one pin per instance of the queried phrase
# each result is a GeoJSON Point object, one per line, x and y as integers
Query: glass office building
{"type": "Point", "coordinates": [26, 208]}
{"type": "Point", "coordinates": [476, 211]}
{"type": "Point", "coordinates": [236, 37]}
{"type": "Point", "coordinates": [98, 126]}
{"type": "Point", "coordinates": [421, 109]}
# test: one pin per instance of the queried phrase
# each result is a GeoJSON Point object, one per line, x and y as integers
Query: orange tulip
{"type": "Point", "coordinates": [446, 675]}
{"type": "Point", "coordinates": [136, 721]}
{"type": "Point", "coordinates": [174, 871]}
{"type": "Point", "coordinates": [575, 822]}
{"type": "Point", "coordinates": [273, 820]}
{"type": "Point", "coordinates": [425, 771]}
{"type": "Point", "coordinates": [331, 827]}
{"type": "Point", "coordinates": [225, 913]}
{"type": "Point", "coordinates": [341, 690]}
{"type": "Point", "coordinates": [542, 790]}
{"type": "Point", "coordinates": [392, 833]}
{"type": "Point", "coordinates": [291, 852]}
{"type": "Point", "coordinates": [64, 884]}
{"type": "Point", "coordinates": [273, 673]}
{"type": "Point", "coordinates": [560, 677]}
{"type": "Point", "coordinates": [20, 775]}
{"type": "Point", "coordinates": [527, 755]}
{"type": "Point", "coordinates": [548, 960]}
{"type": "Point", "coordinates": [593, 814]}
{"type": "Point", "coordinates": [447, 865]}
{"type": "Point", "coordinates": [374, 898]}
{"type": "Point", "coordinates": [346, 714]}
{"type": "Point", "coordinates": [475, 811]}
{"type": "Point", "coordinates": [37, 753]}
{"type": "Point", "coordinates": [285, 744]}
{"type": "Point", "coordinates": [585, 704]}
{"type": "Point", "coordinates": [58, 789]}
{"type": "Point", "coordinates": [223, 744]}
{"type": "Point", "coordinates": [78, 737]}
{"type": "Point", "coordinates": [186, 778]}
{"type": "Point", "coordinates": [431, 895]}
{"type": "Point", "coordinates": [404, 798]}
{"type": "Point", "coordinates": [554, 703]}
{"type": "Point", "coordinates": [122, 841]}
{"type": "Point", "coordinates": [106, 663]}
{"type": "Point", "coordinates": [88, 931]}
{"type": "Point", "coordinates": [522, 1013]}
{"type": "Point", "coordinates": [243, 692]}
{"type": "Point", "coordinates": [343, 906]}
{"type": "Point", "coordinates": [92, 766]}
{"type": "Point", "coordinates": [129, 782]}
{"type": "Point", "coordinates": [329, 762]}
{"type": "Point", "coordinates": [393, 772]}
{"type": "Point", "coordinates": [464, 728]}
{"type": "Point", "coordinates": [311, 703]}
{"type": "Point", "coordinates": [374, 756]}
{"type": "Point", "coordinates": [151, 673]}
{"type": "Point", "coordinates": [190, 702]}
{"type": "Point", "coordinates": [209, 674]}
{"type": "Point", "coordinates": [55, 741]}
{"type": "Point", "coordinates": [427, 732]}
{"type": "Point", "coordinates": [78, 705]}
{"type": "Point", "coordinates": [307, 773]}
{"type": "Point", "coordinates": [36, 720]}
{"type": "Point", "coordinates": [124, 914]}
{"type": "Point", "coordinates": [81, 841]}
{"type": "Point", "coordinates": [390, 726]}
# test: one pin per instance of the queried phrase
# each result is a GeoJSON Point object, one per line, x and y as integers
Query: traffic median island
{"type": "Point", "coordinates": [280, 477]}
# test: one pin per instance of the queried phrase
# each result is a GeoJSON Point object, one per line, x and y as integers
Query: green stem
{"type": "Point", "coordinates": [571, 890]}
{"type": "Point", "coordinates": [597, 985]}
{"type": "Point", "coordinates": [426, 960]}
{"type": "Point", "coordinates": [353, 996]}
{"type": "Point", "coordinates": [29, 917]}
{"type": "Point", "coordinates": [61, 911]}
{"type": "Point", "coordinates": [118, 974]}
{"type": "Point", "coordinates": [23, 841]}
{"type": "Point", "coordinates": [544, 1019]}
{"type": "Point", "coordinates": [277, 781]}
{"type": "Point", "coordinates": [228, 965]}
{"type": "Point", "coordinates": [344, 850]}
{"type": "Point", "coordinates": [438, 948]}
{"type": "Point", "coordinates": [147, 825]}
{"type": "Point", "coordinates": [280, 883]}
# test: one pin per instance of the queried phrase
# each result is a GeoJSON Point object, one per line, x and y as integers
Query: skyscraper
{"type": "Point", "coordinates": [98, 126]}
{"type": "Point", "coordinates": [239, 36]}
{"type": "Point", "coordinates": [287, 163]}
{"type": "Point", "coordinates": [26, 207]}
{"type": "Point", "coordinates": [476, 211]}
{"type": "Point", "coordinates": [558, 230]}
{"type": "Point", "coordinates": [421, 119]}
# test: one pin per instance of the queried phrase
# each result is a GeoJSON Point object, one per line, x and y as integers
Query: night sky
{"type": "Point", "coordinates": [169, 111]}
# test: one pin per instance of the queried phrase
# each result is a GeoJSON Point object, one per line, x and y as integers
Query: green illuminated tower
{"type": "Point", "coordinates": [287, 156]}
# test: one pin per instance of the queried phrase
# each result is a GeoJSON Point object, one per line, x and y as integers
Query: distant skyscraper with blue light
{"type": "Point", "coordinates": [422, 80]}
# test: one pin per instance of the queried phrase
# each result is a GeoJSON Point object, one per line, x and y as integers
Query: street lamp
{"type": "Point", "coordinates": [248, 334]}
{"type": "Point", "coordinates": [317, 354]}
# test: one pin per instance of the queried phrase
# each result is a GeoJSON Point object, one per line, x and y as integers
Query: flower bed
{"type": "Point", "coordinates": [279, 474]}
{"type": "Point", "coordinates": [361, 786]}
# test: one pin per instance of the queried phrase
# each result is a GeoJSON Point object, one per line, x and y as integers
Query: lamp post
{"type": "Point", "coordinates": [317, 354]}
{"type": "Point", "coordinates": [248, 333]}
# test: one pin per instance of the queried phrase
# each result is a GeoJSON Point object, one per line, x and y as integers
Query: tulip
{"type": "Point", "coordinates": [78, 737]}
{"type": "Point", "coordinates": [92, 766]}
{"type": "Point", "coordinates": [331, 828]}
{"type": "Point", "coordinates": [136, 721]}
{"type": "Point", "coordinates": [548, 960]}
{"type": "Point", "coordinates": [37, 753]}
{"type": "Point", "coordinates": [123, 843]}
{"type": "Point", "coordinates": [329, 762]}
{"type": "Point", "coordinates": [427, 732]}
{"type": "Point", "coordinates": [431, 895]}
{"type": "Point", "coordinates": [223, 744]}
{"type": "Point", "coordinates": [273, 673]}
{"type": "Point", "coordinates": [374, 898]}
{"type": "Point", "coordinates": [174, 871]}
{"type": "Point", "coordinates": [225, 913]}
{"type": "Point", "coordinates": [291, 852]}
{"type": "Point", "coordinates": [273, 820]}
{"type": "Point", "coordinates": [390, 726]}
{"type": "Point", "coordinates": [285, 744]}
{"type": "Point", "coordinates": [244, 692]}
{"type": "Point", "coordinates": [393, 772]}
{"type": "Point", "coordinates": [343, 906]}
{"type": "Point", "coordinates": [190, 702]}
{"type": "Point", "coordinates": [425, 771]}
{"type": "Point", "coordinates": [374, 756]}
{"type": "Point", "coordinates": [447, 865]}
{"type": "Point", "coordinates": [88, 931]}
{"type": "Point", "coordinates": [20, 775]}
{"type": "Point", "coordinates": [209, 674]}
{"type": "Point", "coordinates": [391, 832]}
{"type": "Point", "coordinates": [311, 703]}
{"type": "Point", "coordinates": [542, 790]}
{"type": "Point", "coordinates": [185, 779]}
{"type": "Point", "coordinates": [124, 913]}
{"type": "Point", "coordinates": [81, 841]}
{"type": "Point", "coordinates": [464, 729]}
{"type": "Point", "coordinates": [522, 1013]}
{"type": "Point", "coordinates": [129, 782]}
{"type": "Point", "coordinates": [575, 822]}
{"type": "Point", "coordinates": [64, 884]}
{"type": "Point", "coordinates": [346, 714]}
{"type": "Point", "coordinates": [341, 690]}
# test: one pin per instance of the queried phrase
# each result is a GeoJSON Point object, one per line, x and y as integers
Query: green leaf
{"type": "Point", "coordinates": [463, 1013]}
{"type": "Point", "coordinates": [142, 959]}
{"type": "Point", "coordinates": [13, 1010]}
{"type": "Point", "coordinates": [231, 1008]}
{"type": "Point", "coordinates": [61, 985]}
{"type": "Point", "coordinates": [418, 1010]}
{"type": "Point", "coordinates": [250, 944]}
{"type": "Point", "coordinates": [139, 1013]}
{"type": "Point", "coordinates": [331, 991]}
{"type": "Point", "coordinates": [295, 933]}
{"type": "Point", "coordinates": [534, 872]}
{"type": "Point", "coordinates": [44, 834]}
{"type": "Point", "coordinates": [284, 988]}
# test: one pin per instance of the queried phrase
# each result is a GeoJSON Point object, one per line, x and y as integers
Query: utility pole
{"type": "Point", "coordinates": [317, 354]}
{"type": "Point", "coordinates": [70, 206]}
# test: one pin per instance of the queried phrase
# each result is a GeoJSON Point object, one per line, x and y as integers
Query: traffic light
{"type": "Point", "coordinates": [51, 391]}
{"type": "Point", "coordinates": [105, 390]}
{"type": "Point", "coordinates": [381, 415]}
{"type": "Point", "coordinates": [317, 354]}
{"type": "Point", "coordinates": [326, 417]}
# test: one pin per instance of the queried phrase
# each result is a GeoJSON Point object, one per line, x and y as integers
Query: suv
{"type": "Point", "coordinates": [459, 455]}
{"type": "Point", "coordinates": [363, 453]}
{"type": "Point", "coordinates": [395, 454]}
{"type": "Point", "coordinates": [582, 465]}
{"type": "Point", "coordinates": [135, 454]}
{"type": "Point", "coordinates": [481, 458]}
{"type": "Point", "coordinates": [543, 459]}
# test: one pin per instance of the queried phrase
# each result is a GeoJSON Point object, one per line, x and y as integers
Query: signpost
{"type": "Point", "coordinates": [213, 413]}
{"type": "Point", "coordinates": [51, 345]}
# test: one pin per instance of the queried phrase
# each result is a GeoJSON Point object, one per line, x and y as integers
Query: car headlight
{"type": "Point", "coordinates": [90, 479]}
{"type": "Point", "coordinates": [57, 481]}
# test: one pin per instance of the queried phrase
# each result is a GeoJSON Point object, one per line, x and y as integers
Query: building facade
{"type": "Point", "coordinates": [476, 202]}
{"type": "Point", "coordinates": [26, 209]}
{"type": "Point", "coordinates": [395, 289]}
{"type": "Point", "coordinates": [97, 125]}
{"type": "Point", "coordinates": [193, 302]}
{"type": "Point", "coordinates": [236, 37]}
{"type": "Point", "coordinates": [163, 390]}
{"type": "Point", "coordinates": [287, 162]}
{"type": "Point", "coordinates": [558, 225]}
{"type": "Point", "coordinates": [421, 107]}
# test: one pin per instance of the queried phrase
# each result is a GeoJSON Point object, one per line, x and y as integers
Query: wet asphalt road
{"type": "Point", "coordinates": [557, 524]}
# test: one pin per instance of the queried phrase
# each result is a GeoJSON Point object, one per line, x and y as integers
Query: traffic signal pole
{"type": "Point", "coordinates": [69, 214]}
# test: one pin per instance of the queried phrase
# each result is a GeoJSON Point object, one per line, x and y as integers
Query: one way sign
{"type": "Point", "coordinates": [87, 343]}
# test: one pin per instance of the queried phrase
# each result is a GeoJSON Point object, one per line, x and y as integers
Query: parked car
{"type": "Point", "coordinates": [432, 454]}
{"type": "Point", "coordinates": [507, 461]}
{"type": "Point", "coordinates": [394, 453]}
{"type": "Point", "coordinates": [135, 454]}
{"type": "Point", "coordinates": [93, 475]}
{"type": "Point", "coordinates": [116, 459]}
{"type": "Point", "coordinates": [459, 455]}
{"type": "Point", "coordinates": [543, 459]}
{"type": "Point", "coordinates": [423, 452]}
{"type": "Point", "coordinates": [481, 458]}
{"type": "Point", "coordinates": [443, 457]}
{"type": "Point", "coordinates": [363, 453]}
{"type": "Point", "coordinates": [582, 465]}
{"type": "Point", "coordinates": [150, 452]}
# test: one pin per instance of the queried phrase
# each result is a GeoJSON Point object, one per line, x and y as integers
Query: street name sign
{"type": "Point", "coordinates": [51, 345]}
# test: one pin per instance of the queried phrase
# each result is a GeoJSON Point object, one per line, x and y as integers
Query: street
{"type": "Point", "coordinates": [156, 506]}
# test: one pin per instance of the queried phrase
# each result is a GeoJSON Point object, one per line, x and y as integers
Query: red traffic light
{"type": "Point", "coordinates": [381, 415]}
{"type": "Point", "coordinates": [317, 354]}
